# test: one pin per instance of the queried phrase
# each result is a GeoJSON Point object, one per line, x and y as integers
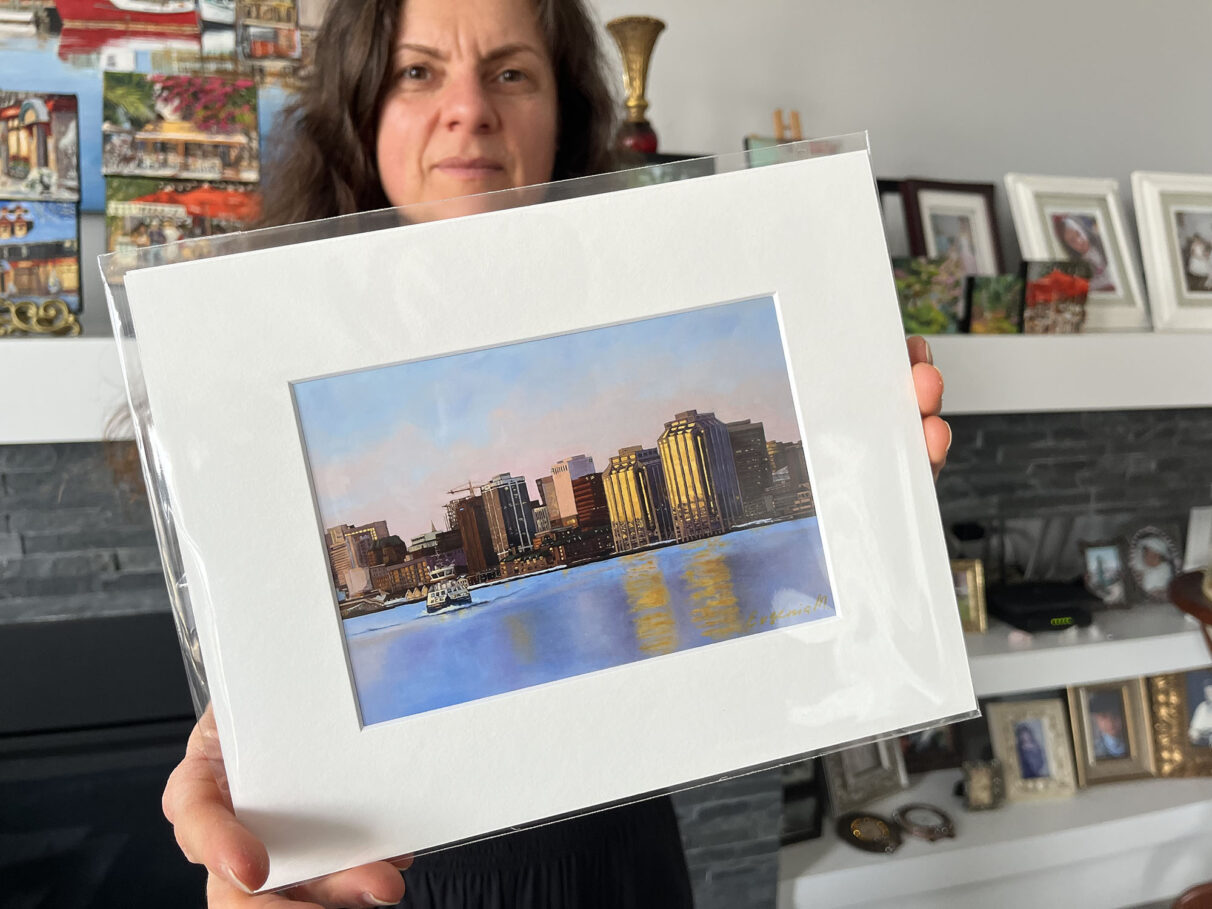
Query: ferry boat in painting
{"type": "Point", "coordinates": [161, 13]}
{"type": "Point", "coordinates": [445, 589]}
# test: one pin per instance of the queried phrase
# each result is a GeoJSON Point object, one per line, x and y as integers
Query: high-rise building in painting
{"type": "Point", "coordinates": [637, 498]}
{"type": "Point", "coordinates": [510, 515]}
{"type": "Point", "coordinates": [477, 539]}
{"type": "Point", "coordinates": [563, 472]}
{"type": "Point", "coordinates": [590, 498]}
{"type": "Point", "coordinates": [348, 548]}
{"type": "Point", "coordinates": [753, 474]}
{"type": "Point", "coordinates": [700, 474]}
{"type": "Point", "coordinates": [547, 495]}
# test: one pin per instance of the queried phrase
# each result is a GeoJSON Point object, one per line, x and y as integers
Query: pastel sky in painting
{"type": "Point", "coordinates": [387, 443]}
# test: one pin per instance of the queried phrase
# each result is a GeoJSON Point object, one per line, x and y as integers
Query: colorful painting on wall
{"type": "Point", "coordinates": [39, 147]}
{"type": "Point", "coordinates": [141, 212]}
{"type": "Point", "coordinates": [39, 253]}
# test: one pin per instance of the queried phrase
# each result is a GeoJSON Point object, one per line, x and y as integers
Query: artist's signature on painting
{"type": "Point", "coordinates": [775, 616]}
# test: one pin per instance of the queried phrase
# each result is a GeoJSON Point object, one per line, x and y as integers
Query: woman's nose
{"type": "Point", "coordinates": [468, 106]}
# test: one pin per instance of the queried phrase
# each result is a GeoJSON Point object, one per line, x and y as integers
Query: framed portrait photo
{"type": "Point", "coordinates": [864, 773]}
{"type": "Point", "coordinates": [527, 515]}
{"type": "Point", "coordinates": [1031, 739]}
{"type": "Point", "coordinates": [1174, 219]}
{"type": "Point", "coordinates": [1081, 219]}
{"type": "Point", "coordinates": [1112, 731]}
{"type": "Point", "coordinates": [969, 578]}
{"type": "Point", "coordinates": [1106, 574]}
{"type": "Point", "coordinates": [1181, 704]}
{"type": "Point", "coordinates": [953, 220]}
{"type": "Point", "coordinates": [1153, 559]}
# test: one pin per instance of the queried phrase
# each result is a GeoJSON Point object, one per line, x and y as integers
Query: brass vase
{"type": "Point", "coordinates": [636, 37]}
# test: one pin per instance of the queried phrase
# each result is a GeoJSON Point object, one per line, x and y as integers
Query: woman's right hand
{"type": "Point", "coordinates": [198, 805]}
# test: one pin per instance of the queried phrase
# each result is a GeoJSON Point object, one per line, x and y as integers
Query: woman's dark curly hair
{"type": "Point", "coordinates": [325, 164]}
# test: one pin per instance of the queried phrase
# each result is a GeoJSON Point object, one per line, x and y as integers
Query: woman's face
{"type": "Point", "coordinates": [1076, 240]}
{"type": "Point", "coordinates": [472, 103]}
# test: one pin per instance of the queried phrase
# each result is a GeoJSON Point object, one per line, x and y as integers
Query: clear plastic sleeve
{"type": "Point", "coordinates": [545, 509]}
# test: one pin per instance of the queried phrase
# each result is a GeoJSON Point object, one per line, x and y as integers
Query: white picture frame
{"type": "Point", "coordinates": [1166, 207]}
{"type": "Point", "coordinates": [1044, 208]}
{"type": "Point", "coordinates": [893, 657]}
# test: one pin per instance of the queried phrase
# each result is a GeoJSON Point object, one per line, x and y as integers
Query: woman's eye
{"type": "Point", "coordinates": [512, 75]}
{"type": "Point", "coordinates": [414, 73]}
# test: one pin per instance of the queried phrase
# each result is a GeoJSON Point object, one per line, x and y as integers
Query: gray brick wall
{"type": "Point", "coordinates": [73, 544]}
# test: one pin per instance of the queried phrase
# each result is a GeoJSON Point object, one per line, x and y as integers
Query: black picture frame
{"type": "Point", "coordinates": [911, 190]}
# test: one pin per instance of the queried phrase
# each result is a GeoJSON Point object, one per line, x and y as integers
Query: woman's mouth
{"type": "Point", "coordinates": [469, 168]}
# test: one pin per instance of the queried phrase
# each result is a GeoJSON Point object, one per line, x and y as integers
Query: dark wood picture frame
{"type": "Point", "coordinates": [910, 191]}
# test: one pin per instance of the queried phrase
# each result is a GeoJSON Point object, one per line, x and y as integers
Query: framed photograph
{"type": "Point", "coordinates": [180, 127]}
{"type": "Point", "coordinates": [1081, 220]}
{"type": "Point", "coordinates": [936, 748]}
{"type": "Point", "coordinates": [404, 462]}
{"type": "Point", "coordinates": [1182, 722]}
{"type": "Point", "coordinates": [1106, 574]}
{"type": "Point", "coordinates": [1198, 553]}
{"type": "Point", "coordinates": [802, 802]}
{"type": "Point", "coordinates": [1112, 731]}
{"type": "Point", "coordinates": [1031, 739]}
{"type": "Point", "coordinates": [1174, 219]}
{"type": "Point", "coordinates": [859, 775]}
{"type": "Point", "coordinates": [994, 304]}
{"type": "Point", "coordinates": [39, 147]}
{"type": "Point", "coordinates": [892, 208]}
{"type": "Point", "coordinates": [953, 221]}
{"type": "Point", "coordinates": [984, 785]}
{"type": "Point", "coordinates": [931, 295]}
{"type": "Point", "coordinates": [1154, 561]}
{"type": "Point", "coordinates": [969, 578]}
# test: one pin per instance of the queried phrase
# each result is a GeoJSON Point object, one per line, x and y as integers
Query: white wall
{"type": "Point", "coordinates": [949, 89]}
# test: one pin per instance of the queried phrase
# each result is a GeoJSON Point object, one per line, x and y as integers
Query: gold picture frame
{"type": "Point", "coordinates": [1176, 721]}
{"type": "Point", "coordinates": [969, 578]}
{"type": "Point", "coordinates": [1112, 732]}
{"type": "Point", "coordinates": [1031, 739]}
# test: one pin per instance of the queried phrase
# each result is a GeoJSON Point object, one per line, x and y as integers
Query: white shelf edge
{"type": "Point", "coordinates": [1017, 840]}
{"type": "Point", "coordinates": [1144, 641]}
{"type": "Point", "coordinates": [1096, 371]}
{"type": "Point", "coordinates": [61, 389]}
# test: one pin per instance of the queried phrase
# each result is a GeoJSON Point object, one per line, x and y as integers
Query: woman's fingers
{"type": "Point", "coordinates": [220, 894]}
{"type": "Point", "coordinates": [928, 383]}
{"type": "Point", "coordinates": [376, 884]}
{"type": "Point", "coordinates": [938, 441]}
{"type": "Point", "coordinates": [205, 826]}
{"type": "Point", "coordinates": [919, 350]}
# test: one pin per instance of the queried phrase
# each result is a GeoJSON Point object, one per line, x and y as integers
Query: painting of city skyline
{"type": "Point", "coordinates": [511, 517]}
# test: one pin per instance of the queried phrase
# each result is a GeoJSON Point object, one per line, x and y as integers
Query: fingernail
{"type": "Point", "coordinates": [929, 352]}
{"type": "Point", "coordinates": [239, 884]}
{"type": "Point", "coordinates": [371, 900]}
{"type": "Point", "coordinates": [950, 436]}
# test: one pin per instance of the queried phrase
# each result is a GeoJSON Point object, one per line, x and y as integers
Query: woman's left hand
{"type": "Point", "coordinates": [928, 382]}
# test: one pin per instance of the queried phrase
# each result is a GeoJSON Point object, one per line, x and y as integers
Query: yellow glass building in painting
{"type": "Point", "coordinates": [700, 474]}
{"type": "Point", "coordinates": [637, 499]}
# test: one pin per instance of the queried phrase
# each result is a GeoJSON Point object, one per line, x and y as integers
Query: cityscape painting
{"type": "Point", "coordinates": [510, 517]}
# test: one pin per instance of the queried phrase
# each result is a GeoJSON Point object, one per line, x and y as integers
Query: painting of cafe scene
{"type": "Point", "coordinates": [185, 127]}
{"type": "Point", "coordinates": [141, 213]}
{"type": "Point", "coordinates": [39, 252]}
{"type": "Point", "coordinates": [39, 147]}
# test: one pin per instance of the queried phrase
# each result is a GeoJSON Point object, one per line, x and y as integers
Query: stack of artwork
{"type": "Point", "coordinates": [181, 158]}
{"type": "Point", "coordinates": [39, 214]}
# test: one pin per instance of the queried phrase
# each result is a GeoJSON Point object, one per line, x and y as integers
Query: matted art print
{"type": "Point", "coordinates": [39, 147]}
{"type": "Point", "coordinates": [1174, 218]}
{"type": "Point", "coordinates": [655, 499]}
{"type": "Point", "coordinates": [1081, 220]}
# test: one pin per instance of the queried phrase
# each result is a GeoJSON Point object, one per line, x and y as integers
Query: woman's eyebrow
{"type": "Point", "coordinates": [505, 50]}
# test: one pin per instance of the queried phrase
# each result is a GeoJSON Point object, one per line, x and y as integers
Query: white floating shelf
{"type": "Point", "coordinates": [1121, 644]}
{"type": "Point", "coordinates": [1113, 845]}
{"type": "Point", "coordinates": [59, 389]}
{"type": "Point", "coordinates": [1103, 371]}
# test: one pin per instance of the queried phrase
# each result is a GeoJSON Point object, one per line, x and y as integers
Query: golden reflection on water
{"type": "Point", "coordinates": [709, 579]}
{"type": "Point", "coordinates": [648, 602]}
{"type": "Point", "coordinates": [520, 637]}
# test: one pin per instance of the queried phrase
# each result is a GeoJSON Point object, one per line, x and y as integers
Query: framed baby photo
{"type": "Point", "coordinates": [969, 578]}
{"type": "Point", "coordinates": [535, 512]}
{"type": "Point", "coordinates": [1031, 739]}
{"type": "Point", "coordinates": [861, 774]}
{"type": "Point", "coordinates": [1181, 705]}
{"type": "Point", "coordinates": [1081, 219]}
{"type": "Point", "coordinates": [1174, 219]}
{"type": "Point", "coordinates": [1106, 574]}
{"type": "Point", "coordinates": [1112, 731]}
{"type": "Point", "coordinates": [1154, 560]}
{"type": "Point", "coordinates": [953, 220]}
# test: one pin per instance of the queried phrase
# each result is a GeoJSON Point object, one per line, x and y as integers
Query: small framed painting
{"type": "Point", "coordinates": [1112, 732]}
{"type": "Point", "coordinates": [931, 295]}
{"type": "Point", "coordinates": [953, 220]}
{"type": "Point", "coordinates": [1174, 219]}
{"type": "Point", "coordinates": [1081, 220]}
{"type": "Point", "coordinates": [1031, 739]}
